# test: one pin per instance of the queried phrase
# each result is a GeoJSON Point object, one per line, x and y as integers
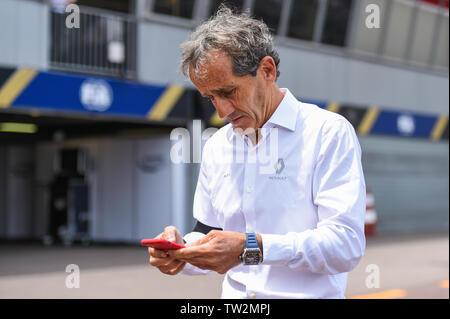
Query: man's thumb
{"type": "Point", "coordinates": [170, 233]}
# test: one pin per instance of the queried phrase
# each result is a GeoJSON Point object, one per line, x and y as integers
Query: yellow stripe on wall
{"type": "Point", "coordinates": [15, 84]}
{"type": "Point", "coordinates": [368, 120]}
{"type": "Point", "coordinates": [216, 120]}
{"type": "Point", "coordinates": [165, 103]}
{"type": "Point", "coordinates": [333, 107]}
{"type": "Point", "coordinates": [439, 127]}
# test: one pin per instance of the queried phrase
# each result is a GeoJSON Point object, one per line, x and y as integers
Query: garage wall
{"type": "Point", "coordinates": [131, 187]}
{"type": "Point", "coordinates": [3, 216]}
{"type": "Point", "coordinates": [24, 33]}
{"type": "Point", "coordinates": [16, 182]}
{"type": "Point", "coordinates": [410, 181]}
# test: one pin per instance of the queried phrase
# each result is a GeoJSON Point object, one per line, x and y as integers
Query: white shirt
{"type": "Point", "coordinates": [308, 204]}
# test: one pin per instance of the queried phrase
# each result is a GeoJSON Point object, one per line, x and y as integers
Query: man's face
{"type": "Point", "coordinates": [241, 100]}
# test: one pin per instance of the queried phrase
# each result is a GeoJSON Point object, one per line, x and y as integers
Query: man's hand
{"type": "Point", "coordinates": [161, 259]}
{"type": "Point", "coordinates": [218, 251]}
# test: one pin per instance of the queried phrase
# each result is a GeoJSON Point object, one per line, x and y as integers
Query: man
{"type": "Point", "coordinates": [291, 229]}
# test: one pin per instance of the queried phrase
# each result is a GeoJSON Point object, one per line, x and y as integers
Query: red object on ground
{"type": "Point", "coordinates": [370, 223]}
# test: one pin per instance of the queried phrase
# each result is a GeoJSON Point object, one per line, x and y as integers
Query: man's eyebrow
{"type": "Point", "coordinates": [224, 89]}
{"type": "Point", "coordinates": [219, 91]}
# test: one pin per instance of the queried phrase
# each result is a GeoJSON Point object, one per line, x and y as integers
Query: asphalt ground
{"type": "Point", "coordinates": [411, 266]}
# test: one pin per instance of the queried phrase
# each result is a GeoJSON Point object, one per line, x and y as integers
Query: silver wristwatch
{"type": "Point", "coordinates": [252, 254]}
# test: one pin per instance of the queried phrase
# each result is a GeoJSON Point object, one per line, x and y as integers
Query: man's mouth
{"type": "Point", "coordinates": [237, 118]}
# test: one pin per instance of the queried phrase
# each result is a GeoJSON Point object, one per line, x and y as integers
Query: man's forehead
{"type": "Point", "coordinates": [212, 77]}
{"type": "Point", "coordinates": [210, 63]}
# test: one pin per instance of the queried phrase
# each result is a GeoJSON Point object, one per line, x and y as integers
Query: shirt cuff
{"type": "Point", "coordinates": [188, 268]}
{"type": "Point", "coordinates": [277, 249]}
{"type": "Point", "coordinates": [191, 270]}
{"type": "Point", "coordinates": [193, 236]}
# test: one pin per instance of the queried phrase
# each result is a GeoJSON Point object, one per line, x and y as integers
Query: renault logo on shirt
{"type": "Point", "coordinates": [279, 166]}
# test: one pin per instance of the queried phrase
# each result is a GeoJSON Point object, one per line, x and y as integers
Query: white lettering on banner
{"type": "Point", "coordinates": [267, 154]}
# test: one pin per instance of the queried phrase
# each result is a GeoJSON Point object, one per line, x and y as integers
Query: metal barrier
{"type": "Point", "coordinates": [104, 43]}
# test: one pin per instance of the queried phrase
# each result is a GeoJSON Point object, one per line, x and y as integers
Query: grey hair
{"type": "Point", "coordinates": [246, 40]}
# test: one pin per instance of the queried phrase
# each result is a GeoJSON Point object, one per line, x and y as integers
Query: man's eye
{"type": "Point", "coordinates": [228, 93]}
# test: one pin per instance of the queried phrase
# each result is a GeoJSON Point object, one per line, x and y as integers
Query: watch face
{"type": "Point", "coordinates": [252, 256]}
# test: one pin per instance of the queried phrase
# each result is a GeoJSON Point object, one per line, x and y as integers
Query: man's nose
{"type": "Point", "coordinates": [224, 107]}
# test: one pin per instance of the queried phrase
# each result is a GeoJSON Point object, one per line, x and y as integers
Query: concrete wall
{"type": "Point", "coordinates": [308, 74]}
{"type": "Point", "coordinates": [24, 34]}
{"type": "Point", "coordinates": [410, 182]}
{"type": "Point", "coordinates": [16, 185]}
{"type": "Point", "coordinates": [335, 78]}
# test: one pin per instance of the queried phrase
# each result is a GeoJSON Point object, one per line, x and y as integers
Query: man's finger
{"type": "Point", "coordinates": [157, 253]}
{"type": "Point", "coordinates": [172, 268]}
{"type": "Point", "coordinates": [185, 253]}
{"type": "Point", "coordinates": [158, 262]}
{"type": "Point", "coordinates": [175, 270]}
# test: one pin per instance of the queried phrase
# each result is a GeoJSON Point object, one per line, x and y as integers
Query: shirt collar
{"type": "Point", "coordinates": [285, 114]}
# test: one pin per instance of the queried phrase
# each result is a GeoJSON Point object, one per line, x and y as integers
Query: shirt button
{"type": "Point", "coordinates": [250, 230]}
{"type": "Point", "coordinates": [253, 152]}
{"type": "Point", "coordinates": [253, 295]}
{"type": "Point", "coordinates": [254, 268]}
{"type": "Point", "coordinates": [249, 189]}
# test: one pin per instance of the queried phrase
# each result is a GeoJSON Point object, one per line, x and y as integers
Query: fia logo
{"type": "Point", "coordinates": [96, 95]}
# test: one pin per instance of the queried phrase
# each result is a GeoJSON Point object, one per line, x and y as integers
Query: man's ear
{"type": "Point", "coordinates": [268, 68]}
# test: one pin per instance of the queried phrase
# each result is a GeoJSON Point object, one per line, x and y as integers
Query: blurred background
{"type": "Point", "coordinates": [90, 91]}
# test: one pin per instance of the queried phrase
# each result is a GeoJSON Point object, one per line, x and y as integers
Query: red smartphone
{"type": "Point", "coordinates": [161, 244]}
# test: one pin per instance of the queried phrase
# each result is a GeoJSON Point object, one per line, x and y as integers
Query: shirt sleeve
{"type": "Point", "coordinates": [203, 211]}
{"type": "Point", "coordinates": [338, 242]}
{"type": "Point", "coordinates": [188, 268]}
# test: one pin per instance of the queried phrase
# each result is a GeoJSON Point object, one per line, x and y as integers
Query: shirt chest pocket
{"type": "Point", "coordinates": [288, 188]}
{"type": "Point", "coordinates": [226, 194]}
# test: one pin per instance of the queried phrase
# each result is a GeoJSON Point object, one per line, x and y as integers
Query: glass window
{"type": "Point", "coordinates": [178, 8]}
{"type": "Point", "coordinates": [234, 4]}
{"type": "Point", "coordinates": [301, 21]}
{"type": "Point", "coordinates": [269, 11]}
{"type": "Point", "coordinates": [116, 5]}
{"type": "Point", "coordinates": [335, 27]}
